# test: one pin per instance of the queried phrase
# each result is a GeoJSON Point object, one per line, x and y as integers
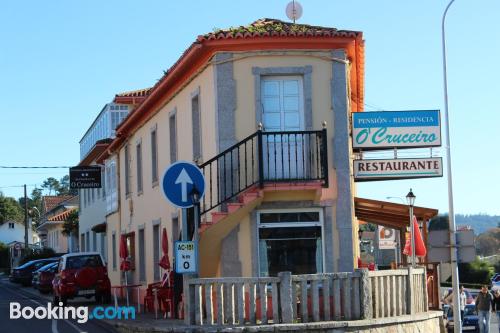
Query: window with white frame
{"type": "Point", "coordinates": [126, 164]}
{"type": "Point", "coordinates": [154, 156]}
{"type": "Point", "coordinates": [196, 123]}
{"type": "Point", "coordinates": [138, 158]}
{"type": "Point", "coordinates": [111, 186]}
{"type": "Point", "coordinates": [290, 240]}
{"type": "Point", "coordinates": [172, 126]}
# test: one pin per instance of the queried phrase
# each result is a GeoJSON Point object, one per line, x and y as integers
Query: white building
{"type": "Point", "coordinates": [92, 212]}
{"type": "Point", "coordinates": [12, 231]}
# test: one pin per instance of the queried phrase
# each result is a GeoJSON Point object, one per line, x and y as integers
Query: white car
{"type": "Point", "coordinates": [495, 282]}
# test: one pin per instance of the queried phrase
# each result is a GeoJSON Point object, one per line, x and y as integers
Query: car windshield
{"type": "Point", "coordinates": [77, 262]}
{"type": "Point", "coordinates": [47, 266]}
{"type": "Point", "coordinates": [470, 311]}
{"type": "Point", "coordinates": [28, 264]}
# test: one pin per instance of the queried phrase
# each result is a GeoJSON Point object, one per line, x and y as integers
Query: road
{"type": "Point", "coordinates": [10, 292]}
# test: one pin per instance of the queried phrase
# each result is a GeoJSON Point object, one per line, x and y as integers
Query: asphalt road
{"type": "Point", "coordinates": [10, 292]}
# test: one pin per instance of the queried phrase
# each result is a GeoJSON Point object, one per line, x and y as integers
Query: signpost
{"type": "Point", "coordinates": [396, 129]}
{"type": "Point", "coordinates": [183, 185]}
{"type": "Point", "coordinates": [186, 257]}
{"type": "Point", "coordinates": [401, 168]}
{"type": "Point", "coordinates": [85, 177]}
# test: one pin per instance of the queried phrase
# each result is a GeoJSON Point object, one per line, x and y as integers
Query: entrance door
{"type": "Point", "coordinates": [283, 111]}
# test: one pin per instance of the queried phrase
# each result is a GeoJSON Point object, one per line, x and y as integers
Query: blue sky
{"type": "Point", "coordinates": [61, 61]}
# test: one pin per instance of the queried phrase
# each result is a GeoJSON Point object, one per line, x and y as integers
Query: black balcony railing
{"type": "Point", "coordinates": [291, 156]}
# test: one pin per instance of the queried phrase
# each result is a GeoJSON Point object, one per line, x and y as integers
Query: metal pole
{"type": "Point", "coordinates": [25, 220]}
{"type": "Point", "coordinates": [184, 225]}
{"type": "Point", "coordinates": [451, 213]}
{"type": "Point", "coordinates": [412, 236]}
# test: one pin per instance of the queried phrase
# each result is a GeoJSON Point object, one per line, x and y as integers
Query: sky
{"type": "Point", "coordinates": [62, 61]}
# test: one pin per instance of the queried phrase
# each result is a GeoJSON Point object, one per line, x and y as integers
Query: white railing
{"type": "Point", "coordinates": [287, 298]}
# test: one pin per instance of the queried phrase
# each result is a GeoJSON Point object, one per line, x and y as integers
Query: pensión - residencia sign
{"type": "Point", "coordinates": [396, 129]}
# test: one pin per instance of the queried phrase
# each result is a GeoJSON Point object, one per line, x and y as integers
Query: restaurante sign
{"type": "Point", "coordinates": [396, 129]}
{"type": "Point", "coordinates": [400, 168]}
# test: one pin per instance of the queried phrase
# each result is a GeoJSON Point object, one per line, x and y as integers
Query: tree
{"type": "Point", "coordinates": [70, 226]}
{"type": "Point", "coordinates": [64, 188]}
{"type": "Point", "coordinates": [488, 243]}
{"type": "Point", "coordinates": [51, 184]}
{"type": "Point", "coordinates": [10, 209]}
{"type": "Point", "coordinates": [440, 222]}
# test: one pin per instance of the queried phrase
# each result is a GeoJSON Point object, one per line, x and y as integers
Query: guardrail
{"type": "Point", "coordinates": [287, 298]}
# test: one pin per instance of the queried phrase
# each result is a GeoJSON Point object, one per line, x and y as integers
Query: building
{"type": "Point", "coordinates": [92, 213]}
{"type": "Point", "coordinates": [55, 211]}
{"type": "Point", "coordinates": [280, 198]}
{"type": "Point", "coordinates": [12, 231]}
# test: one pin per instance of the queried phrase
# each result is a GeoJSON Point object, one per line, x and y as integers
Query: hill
{"type": "Point", "coordinates": [479, 222]}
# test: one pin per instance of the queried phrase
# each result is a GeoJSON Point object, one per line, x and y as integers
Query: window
{"type": "Point", "coordinates": [196, 122]}
{"type": "Point", "coordinates": [94, 241]}
{"type": "Point", "coordinates": [82, 242]}
{"type": "Point", "coordinates": [142, 257]}
{"type": "Point", "coordinates": [87, 241]}
{"type": "Point", "coordinates": [172, 125]}
{"type": "Point", "coordinates": [138, 149]}
{"type": "Point", "coordinates": [11, 225]}
{"type": "Point", "coordinates": [290, 241]}
{"type": "Point", "coordinates": [156, 251]}
{"type": "Point", "coordinates": [111, 186]}
{"type": "Point", "coordinates": [154, 157]}
{"type": "Point", "coordinates": [130, 238]}
{"type": "Point", "coordinates": [103, 246]}
{"type": "Point", "coordinates": [127, 170]}
{"type": "Point", "coordinates": [92, 192]}
{"type": "Point", "coordinates": [113, 250]}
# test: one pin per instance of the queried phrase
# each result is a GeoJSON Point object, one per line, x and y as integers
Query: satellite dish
{"type": "Point", "coordinates": [293, 10]}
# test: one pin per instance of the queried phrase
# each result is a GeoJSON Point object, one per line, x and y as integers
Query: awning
{"type": "Point", "coordinates": [101, 227]}
{"type": "Point", "coordinates": [389, 214]}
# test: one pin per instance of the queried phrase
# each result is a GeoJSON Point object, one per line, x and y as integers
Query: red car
{"type": "Point", "coordinates": [81, 274]}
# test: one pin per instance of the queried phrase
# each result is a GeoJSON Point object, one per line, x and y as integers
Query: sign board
{"type": "Point", "coordinates": [186, 259]}
{"type": "Point", "coordinates": [85, 177]}
{"type": "Point", "coordinates": [396, 129]}
{"type": "Point", "coordinates": [386, 238]}
{"type": "Point", "coordinates": [178, 182]}
{"type": "Point", "coordinates": [401, 168]}
{"type": "Point", "coordinates": [439, 246]}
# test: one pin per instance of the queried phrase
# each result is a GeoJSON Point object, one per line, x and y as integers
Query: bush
{"type": "Point", "coordinates": [4, 257]}
{"type": "Point", "coordinates": [33, 254]}
{"type": "Point", "coordinates": [476, 272]}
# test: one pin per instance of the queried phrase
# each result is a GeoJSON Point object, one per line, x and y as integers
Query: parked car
{"type": "Point", "coordinates": [470, 321]}
{"type": "Point", "coordinates": [23, 274]}
{"type": "Point", "coordinates": [81, 274]}
{"type": "Point", "coordinates": [495, 282]}
{"type": "Point", "coordinates": [42, 278]}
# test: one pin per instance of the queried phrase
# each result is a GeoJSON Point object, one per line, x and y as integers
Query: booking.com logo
{"type": "Point", "coordinates": [80, 313]}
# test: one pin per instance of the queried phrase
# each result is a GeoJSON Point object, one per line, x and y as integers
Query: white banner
{"type": "Point", "coordinates": [401, 168]}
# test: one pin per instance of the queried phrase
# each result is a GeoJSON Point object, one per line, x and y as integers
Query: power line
{"type": "Point", "coordinates": [34, 167]}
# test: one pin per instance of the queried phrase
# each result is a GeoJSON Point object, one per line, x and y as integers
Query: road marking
{"type": "Point", "coordinates": [54, 326]}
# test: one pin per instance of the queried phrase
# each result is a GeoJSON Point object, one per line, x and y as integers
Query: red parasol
{"type": "Point", "coordinates": [165, 261]}
{"type": "Point", "coordinates": [125, 264]}
{"type": "Point", "coordinates": [420, 250]}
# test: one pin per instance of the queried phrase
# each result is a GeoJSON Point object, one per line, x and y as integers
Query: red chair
{"type": "Point", "coordinates": [165, 296]}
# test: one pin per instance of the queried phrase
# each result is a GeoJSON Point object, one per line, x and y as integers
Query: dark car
{"type": "Point", "coordinates": [24, 274]}
{"type": "Point", "coordinates": [470, 321]}
{"type": "Point", "coordinates": [81, 274]}
{"type": "Point", "coordinates": [42, 278]}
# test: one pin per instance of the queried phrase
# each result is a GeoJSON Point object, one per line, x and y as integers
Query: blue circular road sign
{"type": "Point", "coordinates": [179, 181]}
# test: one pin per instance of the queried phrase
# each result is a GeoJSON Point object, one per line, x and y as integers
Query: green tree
{"type": "Point", "coordinates": [51, 184]}
{"type": "Point", "coordinates": [64, 188]}
{"type": "Point", "coordinates": [10, 209]}
{"type": "Point", "coordinates": [440, 222]}
{"type": "Point", "coordinates": [71, 223]}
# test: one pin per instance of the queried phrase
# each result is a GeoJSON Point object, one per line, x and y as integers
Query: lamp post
{"type": "Point", "coordinates": [195, 199]}
{"type": "Point", "coordinates": [451, 213]}
{"type": "Point", "coordinates": [410, 199]}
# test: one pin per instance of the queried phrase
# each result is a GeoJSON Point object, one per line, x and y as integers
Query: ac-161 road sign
{"type": "Point", "coordinates": [186, 257]}
{"type": "Point", "coordinates": [178, 182]}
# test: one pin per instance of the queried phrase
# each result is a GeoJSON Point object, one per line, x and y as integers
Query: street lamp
{"type": "Point", "coordinates": [410, 199]}
{"type": "Point", "coordinates": [195, 199]}
{"type": "Point", "coordinates": [451, 213]}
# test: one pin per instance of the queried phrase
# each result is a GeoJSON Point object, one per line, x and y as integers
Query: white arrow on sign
{"type": "Point", "coordinates": [183, 179]}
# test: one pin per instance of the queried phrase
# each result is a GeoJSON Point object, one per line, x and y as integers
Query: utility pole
{"type": "Point", "coordinates": [26, 221]}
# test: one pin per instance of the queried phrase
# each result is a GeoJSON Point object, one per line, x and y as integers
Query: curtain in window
{"type": "Point", "coordinates": [264, 265]}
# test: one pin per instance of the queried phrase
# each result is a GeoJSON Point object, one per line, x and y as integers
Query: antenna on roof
{"type": "Point", "coordinates": [293, 10]}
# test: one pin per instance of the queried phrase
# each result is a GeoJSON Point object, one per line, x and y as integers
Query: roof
{"type": "Point", "coordinates": [61, 217]}
{"type": "Point", "coordinates": [50, 202]}
{"type": "Point", "coordinates": [132, 97]}
{"type": "Point", "coordinates": [262, 35]}
{"type": "Point", "coordinates": [389, 214]}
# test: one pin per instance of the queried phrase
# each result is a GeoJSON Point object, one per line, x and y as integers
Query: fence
{"type": "Point", "coordinates": [361, 294]}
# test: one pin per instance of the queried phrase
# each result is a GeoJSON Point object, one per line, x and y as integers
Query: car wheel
{"type": "Point", "coordinates": [98, 298]}
{"type": "Point", "coordinates": [107, 298]}
{"type": "Point", "coordinates": [55, 300]}
{"type": "Point", "coordinates": [64, 300]}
